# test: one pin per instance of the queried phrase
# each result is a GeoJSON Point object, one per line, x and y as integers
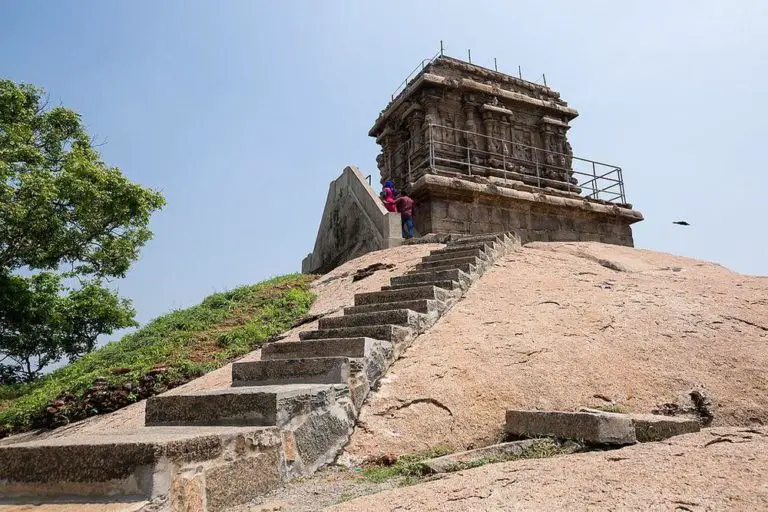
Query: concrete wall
{"type": "Point", "coordinates": [446, 205]}
{"type": "Point", "coordinates": [354, 222]}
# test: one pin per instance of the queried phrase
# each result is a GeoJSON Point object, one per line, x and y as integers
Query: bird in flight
{"type": "Point", "coordinates": [681, 223]}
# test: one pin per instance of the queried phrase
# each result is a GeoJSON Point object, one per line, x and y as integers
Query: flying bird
{"type": "Point", "coordinates": [681, 223]}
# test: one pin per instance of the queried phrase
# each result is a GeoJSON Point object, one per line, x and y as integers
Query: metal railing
{"type": "Point", "coordinates": [451, 150]}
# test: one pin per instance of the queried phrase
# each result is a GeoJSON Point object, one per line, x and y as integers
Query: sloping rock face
{"type": "Point", "coordinates": [716, 469]}
{"type": "Point", "coordinates": [559, 326]}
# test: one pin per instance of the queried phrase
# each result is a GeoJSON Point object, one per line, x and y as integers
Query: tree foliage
{"type": "Point", "coordinates": [68, 222]}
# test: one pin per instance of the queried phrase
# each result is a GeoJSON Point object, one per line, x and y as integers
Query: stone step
{"type": "Point", "coordinates": [480, 246]}
{"type": "Point", "coordinates": [414, 293]}
{"type": "Point", "coordinates": [143, 463]}
{"type": "Point", "coordinates": [418, 305]}
{"type": "Point", "coordinates": [315, 370]}
{"type": "Point", "coordinates": [404, 317]}
{"type": "Point", "coordinates": [237, 406]}
{"type": "Point", "coordinates": [490, 237]}
{"type": "Point", "coordinates": [454, 254]}
{"type": "Point", "coordinates": [333, 347]}
{"type": "Point", "coordinates": [447, 285]}
{"type": "Point", "coordinates": [432, 276]}
{"type": "Point", "coordinates": [391, 333]}
{"type": "Point", "coordinates": [427, 265]}
{"type": "Point", "coordinates": [467, 268]}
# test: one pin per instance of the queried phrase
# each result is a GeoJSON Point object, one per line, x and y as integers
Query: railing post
{"type": "Point", "coordinates": [594, 182]}
{"type": "Point", "coordinates": [431, 151]}
{"type": "Point", "coordinates": [621, 185]}
{"type": "Point", "coordinates": [409, 167]}
{"type": "Point", "coordinates": [504, 164]}
{"type": "Point", "coordinates": [469, 161]}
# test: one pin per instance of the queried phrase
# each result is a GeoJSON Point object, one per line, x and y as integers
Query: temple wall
{"type": "Point", "coordinates": [445, 205]}
{"type": "Point", "coordinates": [354, 223]}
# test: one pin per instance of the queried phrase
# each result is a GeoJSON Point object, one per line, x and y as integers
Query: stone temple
{"type": "Point", "coordinates": [480, 152]}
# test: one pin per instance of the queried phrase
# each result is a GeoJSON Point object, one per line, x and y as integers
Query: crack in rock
{"type": "Point", "coordinates": [409, 403]}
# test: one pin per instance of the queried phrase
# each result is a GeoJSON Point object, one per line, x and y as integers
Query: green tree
{"type": "Point", "coordinates": [68, 223]}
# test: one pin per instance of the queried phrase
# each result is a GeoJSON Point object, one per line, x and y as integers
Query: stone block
{"type": "Point", "coordinates": [238, 482]}
{"type": "Point", "coordinates": [418, 305]}
{"type": "Point", "coordinates": [420, 292]}
{"type": "Point", "coordinates": [236, 406]}
{"type": "Point", "coordinates": [581, 426]}
{"type": "Point", "coordinates": [391, 333]}
{"type": "Point", "coordinates": [336, 347]}
{"type": "Point", "coordinates": [396, 317]}
{"type": "Point", "coordinates": [460, 460]}
{"type": "Point", "coordinates": [188, 493]}
{"type": "Point", "coordinates": [650, 427]}
{"type": "Point", "coordinates": [316, 370]}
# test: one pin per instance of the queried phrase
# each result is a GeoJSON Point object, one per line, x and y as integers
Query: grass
{"type": "Point", "coordinates": [411, 467]}
{"type": "Point", "coordinates": [184, 344]}
{"type": "Point", "coordinates": [408, 466]}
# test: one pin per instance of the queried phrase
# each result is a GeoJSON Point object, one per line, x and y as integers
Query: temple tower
{"type": "Point", "coordinates": [482, 152]}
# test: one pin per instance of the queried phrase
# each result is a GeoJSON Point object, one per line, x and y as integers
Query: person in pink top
{"type": "Point", "coordinates": [389, 197]}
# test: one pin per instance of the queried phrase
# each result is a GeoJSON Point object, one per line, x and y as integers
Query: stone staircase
{"type": "Point", "coordinates": [283, 416]}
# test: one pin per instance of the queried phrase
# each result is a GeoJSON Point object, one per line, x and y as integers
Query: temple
{"type": "Point", "coordinates": [479, 152]}
{"type": "Point", "coordinates": [484, 152]}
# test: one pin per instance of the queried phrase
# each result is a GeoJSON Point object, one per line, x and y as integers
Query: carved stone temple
{"type": "Point", "coordinates": [479, 151]}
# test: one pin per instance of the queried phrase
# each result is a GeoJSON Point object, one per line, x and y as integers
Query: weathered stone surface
{"type": "Point", "coordinates": [420, 292]}
{"type": "Point", "coordinates": [188, 492]}
{"type": "Point", "coordinates": [334, 347]}
{"type": "Point", "coordinates": [404, 317]}
{"type": "Point", "coordinates": [241, 480]}
{"type": "Point", "coordinates": [354, 222]}
{"type": "Point", "coordinates": [584, 426]}
{"type": "Point", "coordinates": [391, 333]}
{"type": "Point", "coordinates": [650, 427]}
{"type": "Point", "coordinates": [138, 462]}
{"type": "Point", "coordinates": [317, 370]}
{"type": "Point", "coordinates": [458, 461]}
{"type": "Point", "coordinates": [418, 305]}
{"type": "Point", "coordinates": [253, 406]}
{"type": "Point", "coordinates": [654, 427]}
{"type": "Point", "coordinates": [536, 217]}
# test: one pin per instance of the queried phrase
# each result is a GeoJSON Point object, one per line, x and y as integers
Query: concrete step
{"type": "Point", "coordinates": [391, 333]}
{"type": "Point", "coordinates": [418, 305]}
{"type": "Point", "coordinates": [428, 265]}
{"type": "Point", "coordinates": [447, 285]}
{"type": "Point", "coordinates": [404, 317]}
{"type": "Point", "coordinates": [237, 406]}
{"type": "Point", "coordinates": [333, 347]}
{"type": "Point", "coordinates": [141, 464]}
{"type": "Point", "coordinates": [428, 277]}
{"type": "Point", "coordinates": [414, 293]}
{"type": "Point", "coordinates": [315, 370]}
{"type": "Point", "coordinates": [434, 257]}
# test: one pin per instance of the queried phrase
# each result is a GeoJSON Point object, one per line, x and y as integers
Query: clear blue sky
{"type": "Point", "coordinates": [241, 112]}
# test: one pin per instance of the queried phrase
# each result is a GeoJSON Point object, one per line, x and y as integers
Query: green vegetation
{"type": "Point", "coordinates": [541, 449]}
{"type": "Point", "coordinates": [409, 468]}
{"type": "Point", "coordinates": [68, 222]}
{"type": "Point", "coordinates": [172, 349]}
